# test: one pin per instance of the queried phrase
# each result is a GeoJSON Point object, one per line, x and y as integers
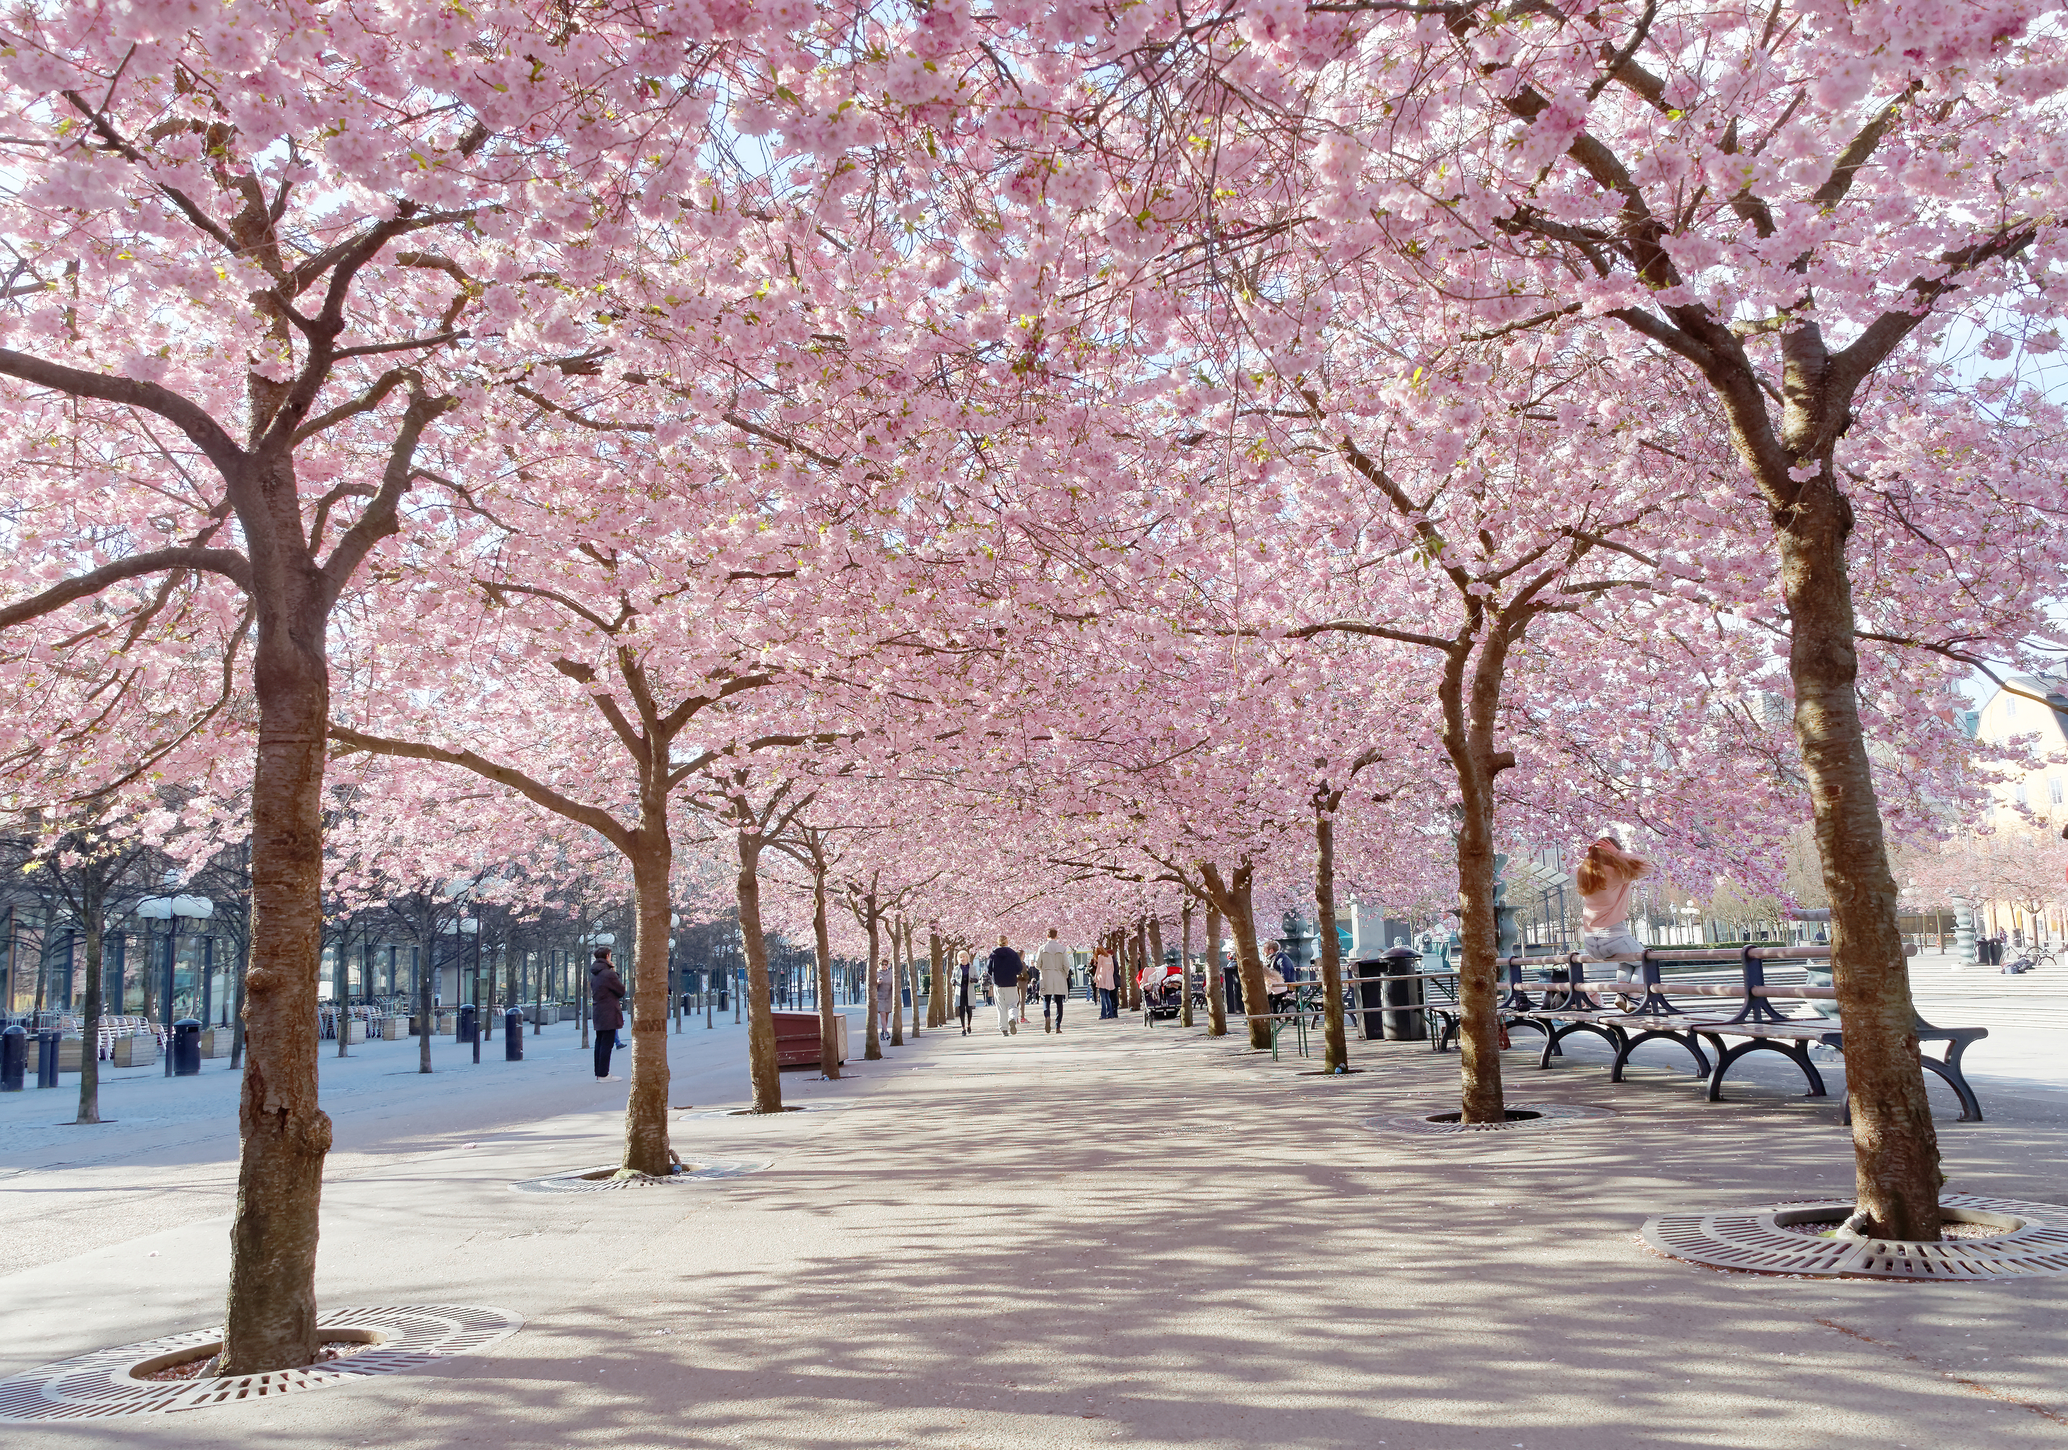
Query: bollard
{"type": "Point", "coordinates": [186, 1048]}
{"type": "Point", "coordinates": [513, 1035]}
{"type": "Point", "coordinates": [46, 1059]}
{"type": "Point", "coordinates": [14, 1058]}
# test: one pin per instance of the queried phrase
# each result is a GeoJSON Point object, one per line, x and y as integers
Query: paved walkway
{"type": "Point", "coordinates": [1115, 1236]}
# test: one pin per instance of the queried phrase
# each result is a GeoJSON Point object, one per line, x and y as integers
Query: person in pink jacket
{"type": "Point", "coordinates": [1606, 879]}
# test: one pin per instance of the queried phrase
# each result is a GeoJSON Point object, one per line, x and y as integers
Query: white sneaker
{"type": "Point", "coordinates": [611, 1077]}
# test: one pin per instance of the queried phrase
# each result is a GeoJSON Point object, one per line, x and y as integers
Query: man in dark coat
{"type": "Point", "coordinates": [607, 1013]}
{"type": "Point", "coordinates": [1006, 968]}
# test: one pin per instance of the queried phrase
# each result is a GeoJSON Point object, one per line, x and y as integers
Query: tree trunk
{"type": "Point", "coordinates": [821, 937]}
{"type": "Point", "coordinates": [646, 1101]}
{"type": "Point", "coordinates": [912, 976]}
{"type": "Point", "coordinates": [761, 1039]}
{"type": "Point", "coordinates": [90, 902]}
{"type": "Point", "coordinates": [270, 1318]}
{"type": "Point", "coordinates": [1155, 941]}
{"type": "Point", "coordinates": [1895, 1146]}
{"type": "Point", "coordinates": [1479, 1012]}
{"type": "Point", "coordinates": [341, 985]}
{"type": "Point", "coordinates": [937, 1011]}
{"type": "Point", "coordinates": [872, 1048]}
{"type": "Point", "coordinates": [1336, 1046]}
{"type": "Point", "coordinates": [1232, 895]}
{"type": "Point", "coordinates": [1185, 962]}
{"type": "Point", "coordinates": [1216, 999]}
{"type": "Point", "coordinates": [897, 976]}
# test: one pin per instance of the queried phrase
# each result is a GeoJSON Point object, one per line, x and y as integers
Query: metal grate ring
{"type": "Point", "coordinates": [1421, 1122]}
{"type": "Point", "coordinates": [99, 1385]}
{"type": "Point", "coordinates": [605, 1178]}
{"type": "Point", "coordinates": [2034, 1243]}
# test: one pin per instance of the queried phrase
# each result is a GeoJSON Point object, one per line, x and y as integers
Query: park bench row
{"type": "Point", "coordinates": [1628, 1015]}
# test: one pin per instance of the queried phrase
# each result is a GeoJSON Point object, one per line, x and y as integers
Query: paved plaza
{"type": "Point", "coordinates": [1116, 1236]}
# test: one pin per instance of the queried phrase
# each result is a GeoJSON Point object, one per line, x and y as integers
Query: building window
{"type": "Point", "coordinates": [2019, 794]}
{"type": "Point", "coordinates": [2053, 789]}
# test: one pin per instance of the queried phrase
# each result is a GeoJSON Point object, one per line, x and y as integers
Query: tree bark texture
{"type": "Point", "coordinates": [822, 945]}
{"type": "Point", "coordinates": [270, 1317]}
{"type": "Point", "coordinates": [1896, 1168]}
{"type": "Point", "coordinates": [1185, 962]}
{"type": "Point", "coordinates": [92, 914]}
{"type": "Point", "coordinates": [912, 975]}
{"type": "Point", "coordinates": [897, 978]}
{"type": "Point", "coordinates": [872, 1047]}
{"type": "Point", "coordinates": [1216, 998]}
{"type": "Point", "coordinates": [1335, 1042]}
{"type": "Point", "coordinates": [761, 1038]}
{"type": "Point", "coordinates": [1141, 955]}
{"type": "Point", "coordinates": [1232, 895]}
{"type": "Point", "coordinates": [937, 1011]}
{"type": "Point", "coordinates": [646, 1102]}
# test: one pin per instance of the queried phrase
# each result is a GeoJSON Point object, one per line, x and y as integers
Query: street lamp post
{"type": "Point", "coordinates": [171, 910]}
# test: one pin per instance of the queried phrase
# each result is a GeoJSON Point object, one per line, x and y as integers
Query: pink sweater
{"type": "Point", "coordinates": [1606, 909]}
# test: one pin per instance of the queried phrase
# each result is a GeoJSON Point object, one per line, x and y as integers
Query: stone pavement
{"type": "Point", "coordinates": [1115, 1236]}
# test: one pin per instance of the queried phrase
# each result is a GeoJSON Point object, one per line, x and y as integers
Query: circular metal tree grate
{"type": "Point", "coordinates": [2031, 1241]}
{"type": "Point", "coordinates": [788, 1108]}
{"type": "Point", "coordinates": [102, 1384]}
{"type": "Point", "coordinates": [606, 1178]}
{"type": "Point", "coordinates": [1443, 1122]}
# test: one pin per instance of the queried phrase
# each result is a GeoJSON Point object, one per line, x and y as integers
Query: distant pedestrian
{"type": "Point", "coordinates": [883, 1008]}
{"type": "Point", "coordinates": [965, 984]}
{"type": "Point", "coordinates": [1274, 980]}
{"type": "Point", "coordinates": [1102, 978]}
{"type": "Point", "coordinates": [1053, 964]}
{"type": "Point", "coordinates": [1005, 969]}
{"type": "Point", "coordinates": [606, 1010]}
{"type": "Point", "coordinates": [1606, 878]}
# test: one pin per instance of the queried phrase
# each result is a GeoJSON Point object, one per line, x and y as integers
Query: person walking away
{"type": "Point", "coordinates": [883, 1008]}
{"type": "Point", "coordinates": [1102, 978]}
{"type": "Point", "coordinates": [1005, 968]}
{"type": "Point", "coordinates": [606, 1010]}
{"type": "Point", "coordinates": [1605, 879]}
{"type": "Point", "coordinates": [1052, 964]}
{"type": "Point", "coordinates": [965, 983]}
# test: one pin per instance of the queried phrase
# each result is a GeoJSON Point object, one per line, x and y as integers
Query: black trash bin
{"type": "Point", "coordinates": [1404, 1019]}
{"type": "Point", "coordinates": [14, 1057]}
{"type": "Point", "coordinates": [186, 1048]}
{"type": "Point", "coordinates": [466, 1031]}
{"type": "Point", "coordinates": [513, 1035]}
{"type": "Point", "coordinates": [1371, 996]}
{"type": "Point", "coordinates": [723, 1006]}
{"type": "Point", "coordinates": [46, 1059]}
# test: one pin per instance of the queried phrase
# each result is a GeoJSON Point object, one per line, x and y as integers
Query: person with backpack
{"type": "Point", "coordinates": [1005, 967]}
{"type": "Point", "coordinates": [606, 1010]}
{"type": "Point", "coordinates": [1052, 965]}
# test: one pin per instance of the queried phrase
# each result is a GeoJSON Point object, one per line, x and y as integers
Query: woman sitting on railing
{"type": "Point", "coordinates": [1605, 880]}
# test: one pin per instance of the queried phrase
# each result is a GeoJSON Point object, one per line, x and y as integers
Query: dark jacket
{"type": "Point", "coordinates": [606, 992]}
{"type": "Point", "coordinates": [1005, 967]}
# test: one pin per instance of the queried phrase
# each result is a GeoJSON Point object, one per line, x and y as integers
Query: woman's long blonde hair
{"type": "Point", "coordinates": [1608, 864]}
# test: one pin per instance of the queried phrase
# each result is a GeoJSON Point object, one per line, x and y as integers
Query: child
{"type": "Point", "coordinates": [1605, 880]}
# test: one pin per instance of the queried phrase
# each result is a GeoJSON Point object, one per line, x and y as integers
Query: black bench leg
{"type": "Point", "coordinates": [1970, 1106]}
{"type": "Point", "coordinates": [1550, 1047]}
{"type": "Point", "coordinates": [1797, 1052]}
{"type": "Point", "coordinates": [1630, 1044]}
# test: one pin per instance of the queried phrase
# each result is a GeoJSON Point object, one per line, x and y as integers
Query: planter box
{"type": "Point", "coordinates": [215, 1041]}
{"type": "Point", "coordinates": [355, 1031]}
{"type": "Point", "coordinates": [394, 1029]}
{"type": "Point", "coordinates": [139, 1051]}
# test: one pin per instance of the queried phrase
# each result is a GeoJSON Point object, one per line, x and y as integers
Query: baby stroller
{"type": "Point", "coordinates": [1162, 996]}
